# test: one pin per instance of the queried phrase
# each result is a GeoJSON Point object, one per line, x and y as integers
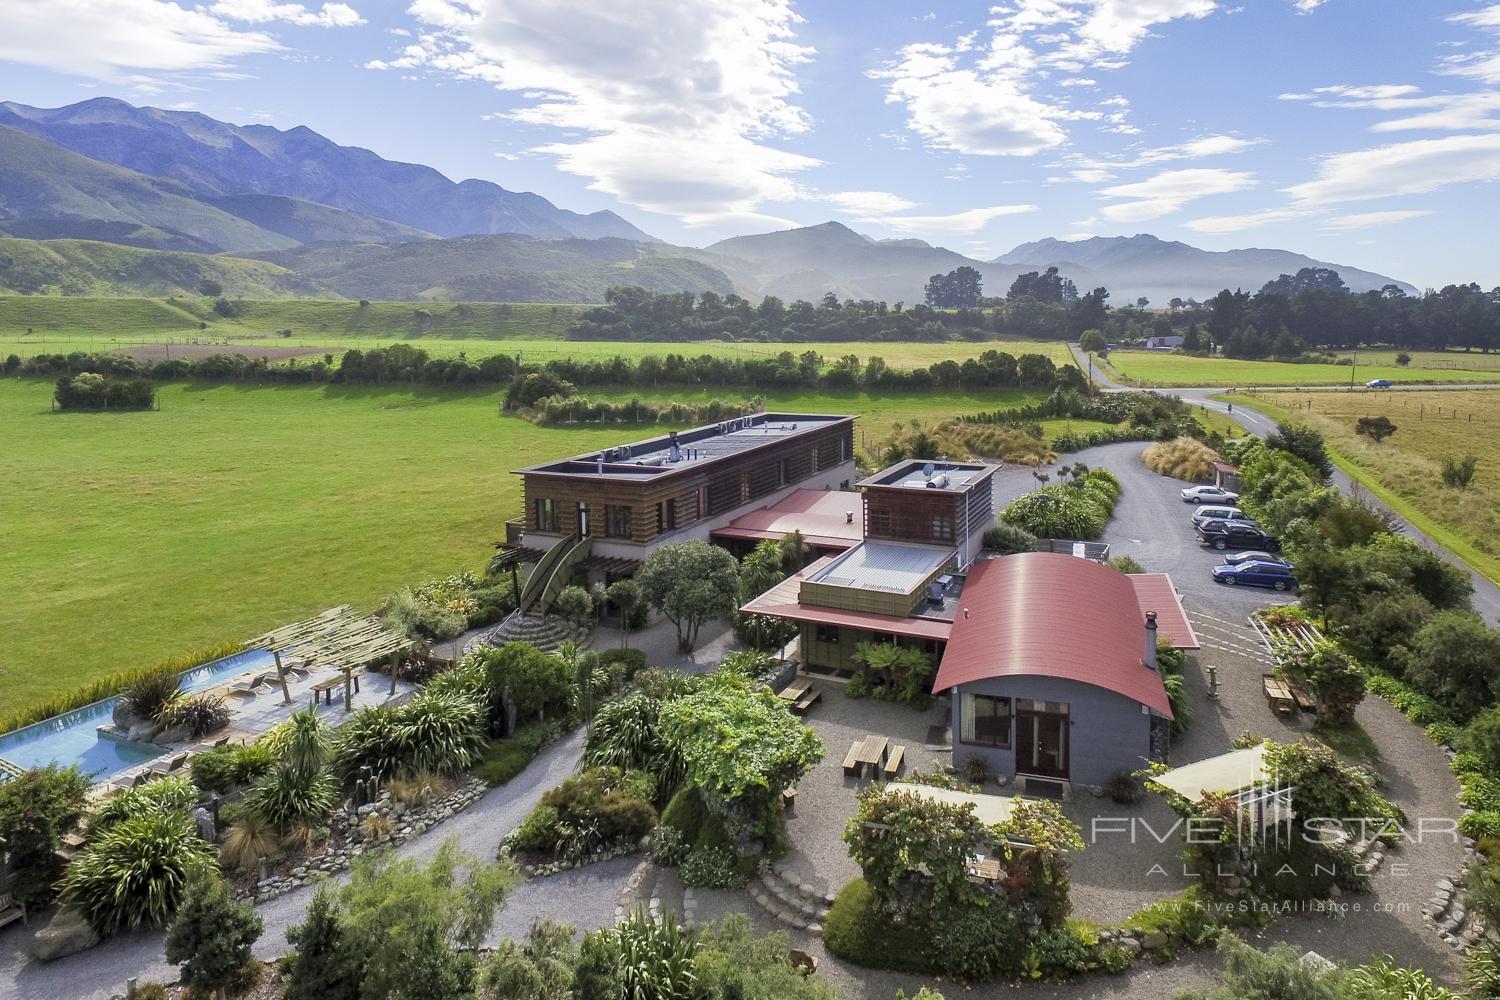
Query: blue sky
{"type": "Point", "coordinates": [1364, 132]}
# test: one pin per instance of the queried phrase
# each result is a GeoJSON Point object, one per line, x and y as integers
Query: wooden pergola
{"type": "Point", "coordinates": [340, 638]}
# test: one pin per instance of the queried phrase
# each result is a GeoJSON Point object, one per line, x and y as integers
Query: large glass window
{"type": "Point", "coordinates": [546, 514]}
{"type": "Point", "coordinates": [984, 720]}
{"type": "Point", "coordinates": [616, 521]}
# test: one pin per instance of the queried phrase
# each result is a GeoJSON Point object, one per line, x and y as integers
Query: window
{"type": "Point", "coordinates": [984, 721]}
{"type": "Point", "coordinates": [671, 515]}
{"type": "Point", "coordinates": [942, 527]}
{"type": "Point", "coordinates": [546, 514]}
{"type": "Point", "coordinates": [828, 634]}
{"type": "Point", "coordinates": [616, 521]}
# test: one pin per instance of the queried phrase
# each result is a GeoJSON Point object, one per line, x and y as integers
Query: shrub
{"type": "Point", "coordinates": [137, 871]}
{"type": "Point", "coordinates": [1181, 458]}
{"type": "Point", "coordinates": [975, 769]}
{"type": "Point", "coordinates": [248, 839]}
{"type": "Point", "coordinates": [326, 964]}
{"type": "Point", "coordinates": [285, 798]}
{"type": "Point", "coordinates": [734, 961]}
{"type": "Point", "coordinates": [221, 769]}
{"type": "Point", "coordinates": [857, 931]}
{"type": "Point", "coordinates": [1127, 564]}
{"type": "Point", "coordinates": [439, 732]}
{"type": "Point", "coordinates": [210, 936]}
{"type": "Point", "coordinates": [686, 814]}
{"type": "Point", "coordinates": [1481, 737]}
{"type": "Point", "coordinates": [1007, 539]}
{"type": "Point", "coordinates": [199, 714]}
{"type": "Point", "coordinates": [656, 959]}
{"type": "Point", "coordinates": [36, 809]}
{"type": "Point", "coordinates": [630, 661]}
{"type": "Point", "coordinates": [1114, 959]}
{"type": "Point", "coordinates": [538, 831]}
{"type": "Point", "coordinates": [626, 735]}
{"type": "Point", "coordinates": [980, 942]}
{"type": "Point", "coordinates": [149, 695]}
{"type": "Point", "coordinates": [501, 760]}
{"type": "Point", "coordinates": [1459, 472]}
{"type": "Point", "coordinates": [1452, 659]}
{"type": "Point", "coordinates": [371, 740]}
{"type": "Point", "coordinates": [667, 846]}
{"type": "Point", "coordinates": [1124, 788]}
{"type": "Point", "coordinates": [1482, 974]}
{"type": "Point", "coordinates": [173, 795]}
{"type": "Point", "coordinates": [574, 606]}
{"type": "Point", "coordinates": [1062, 511]}
{"type": "Point", "coordinates": [713, 868]}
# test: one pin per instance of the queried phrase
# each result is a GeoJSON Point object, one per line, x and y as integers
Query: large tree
{"type": "Point", "coordinates": [690, 583]}
{"type": "Point", "coordinates": [1455, 658]}
{"type": "Point", "coordinates": [960, 288]}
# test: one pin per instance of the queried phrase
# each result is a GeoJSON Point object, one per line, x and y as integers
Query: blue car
{"type": "Point", "coordinates": [1378, 383]}
{"type": "Point", "coordinates": [1275, 575]}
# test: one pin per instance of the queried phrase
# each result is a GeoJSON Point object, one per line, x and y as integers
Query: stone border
{"type": "Point", "coordinates": [407, 822]}
{"type": "Point", "coordinates": [618, 850]}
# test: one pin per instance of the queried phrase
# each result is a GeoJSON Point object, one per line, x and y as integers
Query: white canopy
{"type": "Point", "coordinates": [1222, 775]}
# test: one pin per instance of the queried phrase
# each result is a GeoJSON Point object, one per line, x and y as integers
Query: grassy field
{"type": "Point", "coordinates": [1404, 469]}
{"type": "Point", "coordinates": [132, 536]}
{"type": "Point", "coordinates": [60, 325]}
{"type": "Point", "coordinates": [1152, 368]}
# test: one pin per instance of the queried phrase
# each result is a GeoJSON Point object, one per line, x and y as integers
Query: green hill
{"type": "Point", "coordinates": [47, 191]}
{"type": "Point", "coordinates": [503, 268]}
{"type": "Point", "coordinates": [148, 319]}
{"type": "Point", "coordinates": [84, 267]}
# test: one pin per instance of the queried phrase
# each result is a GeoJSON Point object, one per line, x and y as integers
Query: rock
{"type": "Point", "coordinates": [1154, 939]}
{"type": "Point", "coordinates": [67, 934]}
{"type": "Point", "coordinates": [1445, 885]}
{"type": "Point", "coordinates": [1130, 945]}
{"type": "Point", "coordinates": [174, 734]}
{"type": "Point", "coordinates": [1334, 892]}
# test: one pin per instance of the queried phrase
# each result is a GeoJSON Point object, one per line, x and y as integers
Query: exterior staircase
{"type": "Point", "coordinates": [791, 901]}
{"type": "Point", "coordinates": [545, 632]}
{"type": "Point", "coordinates": [656, 891]}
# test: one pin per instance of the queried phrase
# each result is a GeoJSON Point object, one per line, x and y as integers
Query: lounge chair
{"type": "Point", "coordinates": [131, 781]}
{"type": "Point", "coordinates": [247, 687]}
{"type": "Point", "coordinates": [10, 910]}
{"type": "Point", "coordinates": [171, 765]}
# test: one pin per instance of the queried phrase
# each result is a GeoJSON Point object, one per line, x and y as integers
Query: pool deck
{"type": "Point", "coordinates": [251, 717]}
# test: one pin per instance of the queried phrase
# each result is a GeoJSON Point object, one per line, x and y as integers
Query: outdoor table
{"type": "Point", "coordinates": [873, 751]}
{"type": "Point", "coordinates": [795, 690]}
{"type": "Point", "coordinates": [1278, 694]}
{"type": "Point", "coordinates": [985, 869]}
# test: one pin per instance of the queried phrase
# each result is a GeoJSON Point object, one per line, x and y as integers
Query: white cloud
{"type": "Point", "coordinates": [1308, 6]}
{"type": "Point", "coordinates": [1220, 225]}
{"type": "Point", "coordinates": [330, 15]}
{"type": "Point", "coordinates": [673, 119]}
{"type": "Point", "coordinates": [1402, 168]}
{"type": "Point", "coordinates": [968, 109]}
{"type": "Point", "coordinates": [869, 203]}
{"type": "Point", "coordinates": [1368, 220]}
{"type": "Point", "coordinates": [969, 221]}
{"type": "Point", "coordinates": [1169, 191]}
{"type": "Point", "coordinates": [107, 39]}
{"type": "Point", "coordinates": [982, 97]}
{"type": "Point", "coordinates": [1481, 64]}
{"type": "Point", "coordinates": [1446, 112]}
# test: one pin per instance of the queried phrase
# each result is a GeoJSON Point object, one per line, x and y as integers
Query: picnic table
{"type": "Point", "coordinates": [1278, 694]}
{"type": "Point", "coordinates": [795, 690]}
{"type": "Point", "coordinates": [873, 752]}
{"type": "Point", "coordinates": [326, 688]}
{"type": "Point", "coordinates": [980, 869]}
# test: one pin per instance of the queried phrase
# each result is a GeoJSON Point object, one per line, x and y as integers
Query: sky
{"type": "Point", "coordinates": [1363, 132]}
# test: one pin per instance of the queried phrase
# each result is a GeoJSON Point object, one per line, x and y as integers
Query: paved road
{"type": "Point", "coordinates": [1486, 594]}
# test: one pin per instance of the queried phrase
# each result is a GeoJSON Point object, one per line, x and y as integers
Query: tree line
{"type": "Point", "coordinates": [402, 364]}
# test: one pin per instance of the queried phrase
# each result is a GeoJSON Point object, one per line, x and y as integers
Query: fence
{"type": "Point", "coordinates": [1390, 404]}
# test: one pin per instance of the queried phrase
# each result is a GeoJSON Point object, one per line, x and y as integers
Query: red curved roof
{"type": "Point", "coordinates": [1045, 614]}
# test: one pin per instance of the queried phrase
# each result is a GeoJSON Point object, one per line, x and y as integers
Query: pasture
{"type": "Point", "coordinates": [1153, 368]}
{"type": "Point", "coordinates": [133, 536]}
{"type": "Point", "coordinates": [1405, 469]}
{"type": "Point", "coordinates": [532, 330]}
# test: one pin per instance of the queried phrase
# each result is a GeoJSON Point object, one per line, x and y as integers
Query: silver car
{"type": "Point", "coordinates": [1208, 513]}
{"type": "Point", "coordinates": [1208, 494]}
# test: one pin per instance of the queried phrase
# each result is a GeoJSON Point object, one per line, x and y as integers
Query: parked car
{"type": "Point", "coordinates": [1216, 513]}
{"type": "Point", "coordinates": [1254, 555]}
{"type": "Point", "coordinates": [1378, 383]}
{"type": "Point", "coordinates": [1224, 535]}
{"type": "Point", "coordinates": [1276, 575]}
{"type": "Point", "coordinates": [1208, 494]}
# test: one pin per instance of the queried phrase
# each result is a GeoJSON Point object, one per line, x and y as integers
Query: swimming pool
{"type": "Point", "coordinates": [73, 738]}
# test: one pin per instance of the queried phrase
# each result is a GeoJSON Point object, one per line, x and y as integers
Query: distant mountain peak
{"type": "Point", "coordinates": [216, 159]}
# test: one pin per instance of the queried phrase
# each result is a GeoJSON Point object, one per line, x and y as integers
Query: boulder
{"type": "Point", "coordinates": [1154, 939]}
{"type": "Point", "coordinates": [67, 934]}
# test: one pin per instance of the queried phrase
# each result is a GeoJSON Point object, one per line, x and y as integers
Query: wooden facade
{"type": "Point", "coordinates": [638, 507]}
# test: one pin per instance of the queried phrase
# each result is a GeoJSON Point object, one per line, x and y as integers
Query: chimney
{"type": "Point", "coordinates": [848, 517]}
{"type": "Point", "coordinates": [1150, 657]}
{"type": "Point", "coordinates": [599, 465]}
{"type": "Point", "coordinates": [674, 452]}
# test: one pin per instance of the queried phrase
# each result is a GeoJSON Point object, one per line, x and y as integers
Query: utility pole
{"type": "Point", "coordinates": [1352, 368]}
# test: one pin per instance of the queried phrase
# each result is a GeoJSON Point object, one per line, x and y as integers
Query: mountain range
{"type": "Point", "coordinates": [266, 211]}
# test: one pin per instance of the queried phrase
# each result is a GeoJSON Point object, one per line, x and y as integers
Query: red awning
{"type": "Point", "coordinates": [1042, 614]}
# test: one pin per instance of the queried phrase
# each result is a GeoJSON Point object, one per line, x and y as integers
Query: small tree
{"type": "Point", "coordinates": [1459, 472]}
{"type": "Point", "coordinates": [1093, 341]}
{"type": "Point", "coordinates": [1403, 359]}
{"type": "Point", "coordinates": [1377, 429]}
{"type": "Point", "coordinates": [326, 965]}
{"type": "Point", "coordinates": [36, 809]}
{"type": "Point", "coordinates": [574, 606]}
{"type": "Point", "coordinates": [626, 595]}
{"type": "Point", "coordinates": [211, 935]}
{"type": "Point", "coordinates": [690, 583]}
{"type": "Point", "coordinates": [1455, 658]}
{"type": "Point", "coordinates": [1334, 677]}
{"type": "Point", "coordinates": [1304, 442]}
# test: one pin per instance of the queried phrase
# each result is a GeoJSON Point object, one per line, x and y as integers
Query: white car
{"type": "Point", "coordinates": [1208, 494]}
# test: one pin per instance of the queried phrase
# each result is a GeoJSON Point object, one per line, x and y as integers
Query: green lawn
{"type": "Point", "coordinates": [132, 536]}
{"type": "Point", "coordinates": [1154, 368]}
